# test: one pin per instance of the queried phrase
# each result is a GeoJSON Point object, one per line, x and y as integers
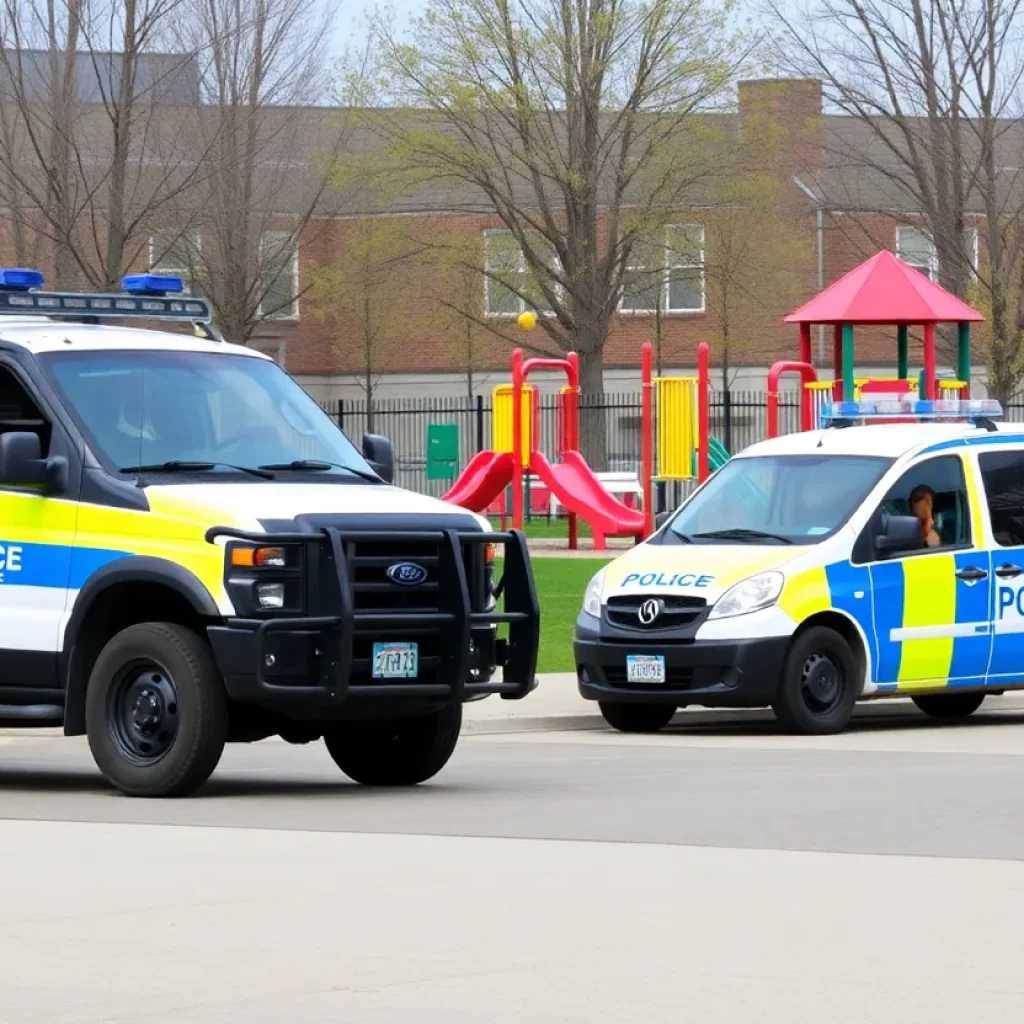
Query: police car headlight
{"type": "Point", "coordinates": [750, 595]}
{"type": "Point", "coordinates": [592, 598]}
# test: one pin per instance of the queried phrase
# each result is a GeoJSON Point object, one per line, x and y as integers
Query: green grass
{"type": "Point", "coordinates": [560, 586]}
{"type": "Point", "coordinates": [544, 528]}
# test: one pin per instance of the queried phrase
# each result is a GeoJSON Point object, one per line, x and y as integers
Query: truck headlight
{"type": "Point", "coordinates": [749, 595]}
{"type": "Point", "coordinates": [592, 598]}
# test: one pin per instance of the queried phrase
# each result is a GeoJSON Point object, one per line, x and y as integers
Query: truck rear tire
{"type": "Point", "coordinates": [395, 752]}
{"type": "Point", "coordinates": [156, 712]}
{"type": "Point", "coordinates": [637, 717]}
{"type": "Point", "coordinates": [949, 705]}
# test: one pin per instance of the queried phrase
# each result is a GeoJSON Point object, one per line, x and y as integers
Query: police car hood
{"type": "Point", "coordinates": [692, 570]}
{"type": "Point", "coordinates": [251, 506]}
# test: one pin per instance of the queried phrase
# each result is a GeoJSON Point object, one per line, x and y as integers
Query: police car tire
{"type": "Point", "coordinates": [395, 752]}
{"type": "Point", "coordinates": [789, 705]}
{"type": "Point", "coordinates": [949, 705]}
{"type": "Point", "coordinates": [637, 717]}
{"type": "Point", "coordinates": [203, 710]}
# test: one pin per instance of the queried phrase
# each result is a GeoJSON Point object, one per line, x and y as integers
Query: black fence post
{"type": "Point", "coordinates": [339, 413]}
{"type": "Point", "coordinates": [727, 420]}
{"type": "Point", "coordinates": [479, 423]}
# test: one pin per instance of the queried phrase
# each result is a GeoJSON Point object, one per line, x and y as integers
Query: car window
{"type": "Point", "coordinates": [942, 481]}
{"type": "Point", "coordinates": [799, 498]}
{"type": "Point", "coordinates": [1002, 473]}
{"type": "Point", "coordinates": [152, 407]}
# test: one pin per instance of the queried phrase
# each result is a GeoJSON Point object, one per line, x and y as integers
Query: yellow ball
{"type": "Point", "coordinates": [527, 320]}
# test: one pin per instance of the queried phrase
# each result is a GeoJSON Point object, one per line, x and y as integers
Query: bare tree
{"type": "Point", "coordinates": [91, 148]}
{"type": "Point", "coordinates": [269, 154]}
{"type": "Point", "coordinates": [575, 121]}
{"type": "Point", "coordinates": [932, 88]}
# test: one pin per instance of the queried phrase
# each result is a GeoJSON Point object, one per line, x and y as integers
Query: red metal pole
{"type": "Point", "coordinates": [929, 361]}
{"type": "Point", "coordinates": [805, 343]}
{"type": "Point", "coordinates": [517, 438]}
{"type": "Point", "coordinates": [572, 412]}
{"type": "Point", "coordinates": [647, 433]}
{"type": "Point", "coordinates": [807, 376]}
{"type": "Point", "coordinates": [703, 358]}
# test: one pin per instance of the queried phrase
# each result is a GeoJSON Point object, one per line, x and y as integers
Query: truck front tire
{"type": "Point", "coordinates": [156, 712]}
{"type": "Point", "coordinates": [395, 752]}
{"type": "Point", "coordinates": [949, 705]}
{"type": "Point", "coordinates": [637, 717]}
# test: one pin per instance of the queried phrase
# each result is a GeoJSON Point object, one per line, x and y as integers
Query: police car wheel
{"type": "Point", "coordinates": [819, 685]}
{"type": "Point", "coordinates": [637, 717]}
{"type": "Point", "coordinates": [156, 713]}
{"type": "Point", "coordinates": [396, 752]}
{"type": "Point", "coordinates": [949, 705]}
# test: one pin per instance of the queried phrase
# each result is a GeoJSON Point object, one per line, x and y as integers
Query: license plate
{"type": "Point", "coordinates": [645, 668]}
{"type": "Point", "coordinates": [395, 661]}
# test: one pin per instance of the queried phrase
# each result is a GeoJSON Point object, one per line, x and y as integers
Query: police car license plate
{"type": "Point", "coordinates": [645, 668]}
{"type": "Point", "coordinates": [395, 661]}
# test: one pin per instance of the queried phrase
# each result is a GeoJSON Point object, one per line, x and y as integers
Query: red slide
{"type": "Point", "coordinates": [486, 476]}
{"type": "Point", "coordinates": [573, 483]}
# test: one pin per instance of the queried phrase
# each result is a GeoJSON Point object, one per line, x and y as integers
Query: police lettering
{"type": "Point", "coordinates": [1010, 598]}
{"type": "Point", "coordinates": [10, 557]}
{"type": "Point", "coordinates": [660, 579]}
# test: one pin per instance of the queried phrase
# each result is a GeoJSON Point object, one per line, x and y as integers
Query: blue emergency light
{"type": "Point", "coordinates": [152, 284]}
{"type": "Point", "coordinates": [925, 410]}
{"type": "Point", "coordinates": [145, 297]}
{"type": "Point", "coordinates": [18, 279]}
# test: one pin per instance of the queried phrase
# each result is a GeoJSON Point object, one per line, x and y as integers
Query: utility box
{"type": "Point", "coordinates": [442, 451]}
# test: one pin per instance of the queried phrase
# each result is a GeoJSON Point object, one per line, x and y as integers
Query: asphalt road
{"type": "Point", "coordinates": [709, 873]}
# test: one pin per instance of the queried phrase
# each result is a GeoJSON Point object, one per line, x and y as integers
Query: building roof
{"type": "Point", "coordinates": [884, 290]}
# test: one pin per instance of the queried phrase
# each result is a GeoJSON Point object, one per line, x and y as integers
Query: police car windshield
{"type": "Point", "coordinates": [774, 499]}
{"type": "Point", "coordinates": [145, 408]}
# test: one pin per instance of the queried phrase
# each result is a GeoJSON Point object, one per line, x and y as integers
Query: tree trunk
{"type": "Point", "coordinates": [593, 428]}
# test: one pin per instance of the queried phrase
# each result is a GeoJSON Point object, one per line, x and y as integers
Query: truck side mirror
{"type": "Point", "coordinates": [901, 533]}
{"type": "Point", "coordinates": [22, 463]}
{"type": "Point", "coordinates": [380, 455]}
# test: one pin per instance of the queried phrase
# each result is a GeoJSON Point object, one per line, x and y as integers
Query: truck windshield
{"type": "Point", "coordinates": [199, 409]}
{"type": "Point", "coordinates": [777, 499]}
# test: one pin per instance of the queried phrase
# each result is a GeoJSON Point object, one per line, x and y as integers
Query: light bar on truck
{"type": "Point", "coordinates": [912, 408]}
{"type": "Point", "coordinates": [146, 297]}
{"type": "Point", "coordinates": [152, 284]}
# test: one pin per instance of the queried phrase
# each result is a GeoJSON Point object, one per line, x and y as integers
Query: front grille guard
{"type": "Point", "coordinates": [454, 617]}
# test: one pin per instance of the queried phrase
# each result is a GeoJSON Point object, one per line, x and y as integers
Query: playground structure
{"type": "Point", "coordinates": [515, 454]}
{"type": "Point", "coordinates": [881, 291]}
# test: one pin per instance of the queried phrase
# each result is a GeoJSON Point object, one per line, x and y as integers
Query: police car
{"type": "Point", "coordinates": [872, 558]}
{"type": "Point", "coordinates": [191, 553]}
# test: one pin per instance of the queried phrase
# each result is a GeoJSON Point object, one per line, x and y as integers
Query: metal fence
{"type": "Point", "coordinates": [737, 419]}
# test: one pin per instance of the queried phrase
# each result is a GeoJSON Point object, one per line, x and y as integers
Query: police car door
{"type": "Point", "coordinates": [1002, 476]}
{"type": "Point", "coordinates": [36, 537]}
{"type": "Point", "coordinates": [931, 606]}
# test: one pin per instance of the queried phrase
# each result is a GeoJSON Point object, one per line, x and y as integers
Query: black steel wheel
{"type": "Point", "coordinates": [156, 712]}
{"type": "Point", "coordinates": [949, 705]}
{"type": "Point", "coordinates": [819, 684]}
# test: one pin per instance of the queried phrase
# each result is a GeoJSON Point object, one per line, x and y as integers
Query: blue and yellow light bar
{"type": "Point", "coordinates": [925, 410]}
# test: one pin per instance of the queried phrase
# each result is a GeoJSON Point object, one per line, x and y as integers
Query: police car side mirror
{"type": "Point", "coordinates": [661, 519]}
{"type": "Point", "coordinates": [22, 463]}
{"type": "Point", "coordinates": [380, 455]}
{"type": "Point", "coordinates": [902, 533]}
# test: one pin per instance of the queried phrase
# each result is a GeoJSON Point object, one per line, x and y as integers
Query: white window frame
{"type": "Point", "coordinates": [185, 273]}
{"type": "Point", "coordinates": [282, 315]}
{"type": "Point", "coordinates": [933, 256]}
{"type": "Point", "coordinates": [666, 281]}
{"type": "Point", "coordinates": [522, 269]}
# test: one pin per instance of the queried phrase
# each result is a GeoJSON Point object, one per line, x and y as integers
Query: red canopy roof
{"type": "Point", "coordinates": [884, 290]}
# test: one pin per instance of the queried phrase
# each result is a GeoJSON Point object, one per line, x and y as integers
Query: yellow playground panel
{"type": "Point", "coordinates": [676, 432]}
{"type": "Point", "coordinates": [501, 419]}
